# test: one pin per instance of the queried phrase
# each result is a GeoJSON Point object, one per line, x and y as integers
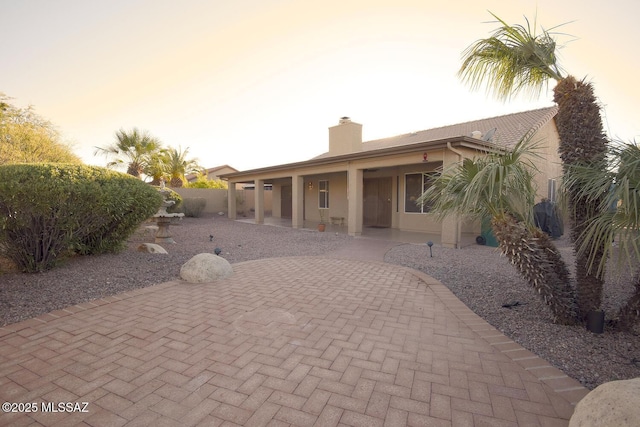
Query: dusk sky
{"type": "Point", "coordinates": [253, 83]}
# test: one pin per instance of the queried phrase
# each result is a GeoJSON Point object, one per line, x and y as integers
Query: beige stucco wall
{"type": "Point", "coordinates": [548, 160]}
{"type": "Point", "coordinates": [337, 196]}
{"type": "Point", "coordinates": [216, 199]}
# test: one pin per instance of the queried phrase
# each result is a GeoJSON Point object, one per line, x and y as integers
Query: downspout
{"type": "Point", "coordinates": [458, 228]}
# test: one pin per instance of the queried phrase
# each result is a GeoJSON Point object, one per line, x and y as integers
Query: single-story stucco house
{"type": "Point", "coordinates": [375, 183]}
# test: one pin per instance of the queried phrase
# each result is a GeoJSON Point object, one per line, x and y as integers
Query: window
{"type": "Point", "coordinates": [323, 194]}
{"type": "Point", "coordinates": [414, 185]}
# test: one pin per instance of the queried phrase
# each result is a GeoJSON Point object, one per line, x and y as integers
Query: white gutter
{"type": "Point", "coordinates": [458, 152]}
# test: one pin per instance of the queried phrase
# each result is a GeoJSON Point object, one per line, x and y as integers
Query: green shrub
{"type": "Point", "coordinates": [193, 207]}
{"type": "Point", "coordinates": [50, 211]}
{"type": "Point", "coordinates": [203, 182]}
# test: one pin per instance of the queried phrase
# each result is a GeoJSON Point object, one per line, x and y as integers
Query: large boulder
{"type": "Point", "coordinates": [612, 404]}
{"type": "Point", "coordinates": [205, 268]}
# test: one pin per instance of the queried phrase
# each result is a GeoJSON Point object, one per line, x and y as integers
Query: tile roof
{"type": "Point", "coordinates": [509, 129]}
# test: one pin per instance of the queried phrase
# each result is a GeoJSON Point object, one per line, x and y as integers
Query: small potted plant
{"type": "Point", "coordinates": [322, 225]}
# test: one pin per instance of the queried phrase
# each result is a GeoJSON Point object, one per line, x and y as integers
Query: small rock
{"type": "Point", "coordinates": [205, 268]}
{"type": "Point", "coordinates": [151, 248]}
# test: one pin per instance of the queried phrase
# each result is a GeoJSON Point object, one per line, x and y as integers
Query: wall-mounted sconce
{"type": "Point", "coordinates": [310, 185]}
{"type": "Point", "coordinates": [425, 157]}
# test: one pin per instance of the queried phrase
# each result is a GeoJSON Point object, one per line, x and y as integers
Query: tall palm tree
{"type": "Point", "coordinates": [133, 148]}
{"type": "Point", "coordinates": [516, 59]}
{"type": "Point", "coordinates": [499, 186]}
{"type": "Point", "coordinates": [178, 165]}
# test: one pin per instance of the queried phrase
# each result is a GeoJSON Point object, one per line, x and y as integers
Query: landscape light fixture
{"type": "Point", "coordinates": [430, 244]}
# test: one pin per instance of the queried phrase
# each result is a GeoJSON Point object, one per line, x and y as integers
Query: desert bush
{"type": "Point", "coordinates": [193, 207]}
{"type": "Point", "coordinates": [50, 211]}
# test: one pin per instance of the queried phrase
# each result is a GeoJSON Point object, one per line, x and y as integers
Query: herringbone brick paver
{"type": "Point", "coordinates": [292, 341]}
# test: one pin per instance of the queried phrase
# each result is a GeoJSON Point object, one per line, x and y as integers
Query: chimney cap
{"type": "Point", "coordinates": [345, 119]}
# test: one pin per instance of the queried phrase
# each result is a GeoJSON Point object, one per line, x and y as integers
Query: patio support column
{"type": "Point", "coordinates": [259, 201]}
{"type": "Point", "coordinates": [231, 200]}
{"type": "Point", "coordinates": [451, 226]}
{"type": "Point", "coordinates": [297, 201]}
{"type": "Point", "coordinates": [451, 232]}
{"type": "Point", "coordinates": [355, 199]}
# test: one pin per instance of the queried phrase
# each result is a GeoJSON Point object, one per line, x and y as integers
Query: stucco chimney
{"type": "Point", "coordinates": [345, 138]}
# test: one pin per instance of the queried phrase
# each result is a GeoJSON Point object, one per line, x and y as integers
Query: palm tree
{"type": "Point", "coordinates": [617, 190]}
{"type": "Point", "coordinates": [133, 148]}
{"type": "Point", "coordinates": [156, 167]}
{"type": "Point", "coordinates": [499, 186]}
{"type": "Point", "coordinates": [178, 165]}
{"type": "Point", "coordinates": [516, 59]}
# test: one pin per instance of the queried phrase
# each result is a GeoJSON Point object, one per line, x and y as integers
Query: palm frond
{"type": "Point", "coordinates": [486, 186]}
{"type": "Point", "coordinates": [512, 60]}
{"type": "Point", "coordinates": [617, 188]}
{"type": "Point", "coordinates": [177, 163]}
{"type": "Point", "coordinates": [134, 148]}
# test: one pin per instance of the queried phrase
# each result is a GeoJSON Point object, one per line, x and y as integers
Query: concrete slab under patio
{"type": "Point", "coordinates": [382, 233]}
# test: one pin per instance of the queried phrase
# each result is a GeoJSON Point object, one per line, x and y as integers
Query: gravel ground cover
{"type": "Point", "coordinates": [24, 296]}
{"type": "Point", "coordinates": [478, 275]}
{"type": "Point", "coordinates": [485, 281]}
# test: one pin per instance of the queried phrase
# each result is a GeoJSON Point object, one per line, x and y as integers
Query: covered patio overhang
{"type": "Point", "coordinates": [354, 166]}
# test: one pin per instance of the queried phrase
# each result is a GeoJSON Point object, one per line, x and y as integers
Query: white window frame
{"type": "Point", "coordinates": [422, 209]}
{"type": "Point", "coordinates": [323, 194]}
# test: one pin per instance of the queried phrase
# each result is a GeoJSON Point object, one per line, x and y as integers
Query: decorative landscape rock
{"type": "Point", "coordinates": [205, 268]}
{"type": "Point", "coordinates": [612, 404]}
{"type": "Point", "coordinates": [151, 248]}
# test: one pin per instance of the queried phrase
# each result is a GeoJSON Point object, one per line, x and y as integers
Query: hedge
{"type": "Point", "coordinates": [51, 211]}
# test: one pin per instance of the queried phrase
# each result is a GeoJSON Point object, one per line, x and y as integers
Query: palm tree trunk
{"type": "Point", "coordinates": [539, 263]}
{"type": "Point", "coordinates": [176, 182]}
{"type": "Point", "coordinates": [582, 141]}
{"type": "Point", "coordinates": [134, 170]}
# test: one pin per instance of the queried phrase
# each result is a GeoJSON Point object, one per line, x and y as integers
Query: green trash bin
{"type": "Point", "coordinates": [486, 236]}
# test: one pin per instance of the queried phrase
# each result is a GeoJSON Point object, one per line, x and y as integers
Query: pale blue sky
{"type": "Point", "coordinates": [252, 83]}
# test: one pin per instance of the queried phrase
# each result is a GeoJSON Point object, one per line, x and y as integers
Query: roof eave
{"type": "Point", "coordinates": [460, 141]}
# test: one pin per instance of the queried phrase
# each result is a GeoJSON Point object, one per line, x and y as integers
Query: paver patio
{"type": "Point", "coordinates": [290, 341]}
